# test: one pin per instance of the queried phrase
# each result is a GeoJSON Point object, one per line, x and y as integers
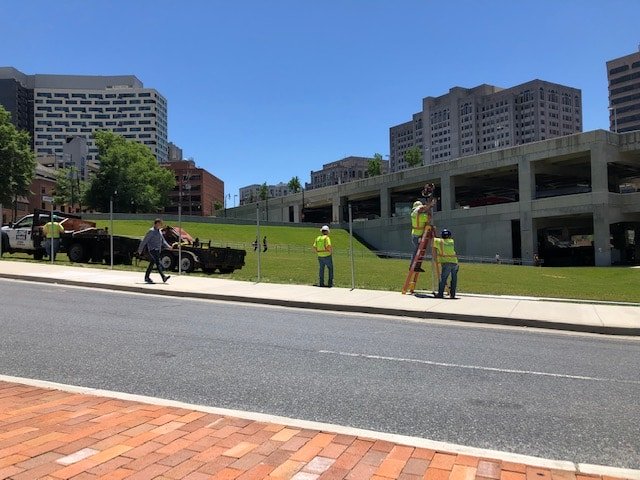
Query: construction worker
{"type": "Point", "coordinates": [420, 219]}
{"type": "Point", "coordinates": [446, 254]}
{"type": "Point", "coordinates": [52, 231]}
{"type": "Point", "coordinates": [322, 246]}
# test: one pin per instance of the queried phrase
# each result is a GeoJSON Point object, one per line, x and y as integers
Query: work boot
{"type": "Point", "coordinates": [165, 278]}
{"type": "Point", "coordinates": [148, 280]}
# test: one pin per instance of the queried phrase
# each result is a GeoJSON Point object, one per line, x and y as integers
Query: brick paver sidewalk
{"type": "Point", "coordinates": [52, 434]}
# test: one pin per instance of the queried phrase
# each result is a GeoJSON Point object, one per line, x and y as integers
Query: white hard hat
{"type": "Point", "coordinates": [325, 228]}
{"type": "Point", "coordinates": [417, 204]}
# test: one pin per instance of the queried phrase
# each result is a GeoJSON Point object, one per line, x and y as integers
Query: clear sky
{"type": "Point", "coordinates": [264, 90]}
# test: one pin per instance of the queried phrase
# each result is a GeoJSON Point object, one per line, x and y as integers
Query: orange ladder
{"type": "Point", "coordinates": [426, 243]}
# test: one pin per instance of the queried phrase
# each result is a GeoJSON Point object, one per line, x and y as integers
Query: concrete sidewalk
{"type": "Point", "coordinates": [594, 317]}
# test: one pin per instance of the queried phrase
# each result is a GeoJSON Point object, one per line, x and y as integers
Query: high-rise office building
{"type": "Point", "coordinates": [18, 100]}
{"type": "Point", "coordinates": [467, 121]}
{"type": "Point", "coordinates": [57, 107]}
{"type": "Point", "coordinates": [624, 93]}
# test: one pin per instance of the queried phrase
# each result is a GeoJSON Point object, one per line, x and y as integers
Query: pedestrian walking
{"type": "Point", "coordinates": [264, 244]}
{"type": "Point", "coordinates": [153, 241]}
{"type": "Point", "coordinates": [322, 247]}
{"type": "Point", "coordinates": [446, 254]}
{"type": "Point", "coordinates": [52, 232]}
{"type": "Point", "coordinates": [255, 244]}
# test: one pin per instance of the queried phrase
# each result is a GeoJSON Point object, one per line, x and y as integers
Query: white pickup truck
{"type": "Point", "coordinates": [25, 236]}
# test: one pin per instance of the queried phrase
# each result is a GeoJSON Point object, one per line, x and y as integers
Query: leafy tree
{"type": "Point", "coordinates": [263, 193]}
{"type": "Point", "coordinates": [413, 157]}
{"type": "Point", "coordinates": [128, 173]}
{"type": "Point", "coordinates": [294, 184]}
{"type": "Point", "coordinates": [69, 188]}
{"type": "Point", "coordinates": [374, 166]}
{"type": "Point", "coordinates": [17, 161]}
{"type": "Point", "coordinates": [217, 205]}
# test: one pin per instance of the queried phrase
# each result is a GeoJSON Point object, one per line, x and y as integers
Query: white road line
{"type": "Point", "coordinates": [477, 367]}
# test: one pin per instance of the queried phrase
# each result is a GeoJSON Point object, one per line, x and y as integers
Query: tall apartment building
{"type": "Point", "coordinates": [467, 121]}
{"type": "Point", "coordinates": [56, 107]}
{"type": "Point", "coordinates": [18, 100]}
{"type": "Point", "coordinates": [624, 93]}
{"type": "Point", "coordinates": [341, 171]}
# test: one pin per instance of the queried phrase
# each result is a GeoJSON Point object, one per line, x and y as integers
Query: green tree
{"type": "Point", "coordinates": [374, 166]}
{"type": "Point", "coordinates": [294, 184]}
{"type": "Point", "coordinates": [69, 189]}
{"type": "Point", "coordinates": [17, 161]}
{"type": "Point", "coordinates": [128, 173]}
{"type": "Point", "coordinates": [413, 157]}
{"type": "Point", "coordinates": [263, 193]}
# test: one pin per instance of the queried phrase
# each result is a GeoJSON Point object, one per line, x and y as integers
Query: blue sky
{"type": "Point", "coordinates": [263, 90]}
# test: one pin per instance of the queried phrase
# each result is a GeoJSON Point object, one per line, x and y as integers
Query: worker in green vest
{"type": "Point", "coordinates": [322, 247]}
{"type": "Point", "coordinates": [52, 231]}
{"type": "Point", "coordinates": [445, 251]}
{"type": "Point", "coordinates": [420, 220]}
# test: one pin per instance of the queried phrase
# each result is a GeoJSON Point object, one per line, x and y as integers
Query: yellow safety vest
{"type": "Point", "coordinates": [322, 244]}
{"type": "Point", "coordinates": [418, 222]}
{"type": "Point", "coordinates": [446, 250]}
{"type": "Point", "coordinates": [52, 230]}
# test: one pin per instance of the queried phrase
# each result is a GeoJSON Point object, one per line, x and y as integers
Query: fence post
{"type": "Point", "coordinates": [258, 237]}
{"type": "Point", "coordinates": [353, 274]}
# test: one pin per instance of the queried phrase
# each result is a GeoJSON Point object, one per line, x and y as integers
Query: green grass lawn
{"type": "Point", "coordinates": [290, 259]}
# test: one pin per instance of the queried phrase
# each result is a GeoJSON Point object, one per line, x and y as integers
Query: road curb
{"type": "Point", "coordinates": [480, 319]}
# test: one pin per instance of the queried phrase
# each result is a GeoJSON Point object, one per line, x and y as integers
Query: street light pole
{"type": "Point", "coordinates": [111, 229]}
{"type": "Point", "coordinates": [234, 200]}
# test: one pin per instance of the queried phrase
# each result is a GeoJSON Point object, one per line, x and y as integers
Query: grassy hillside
{"type": "Point", "coordinates": [289, 259]}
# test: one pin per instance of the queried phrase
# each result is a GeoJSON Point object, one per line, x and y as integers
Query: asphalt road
{"type": "Point", "coordinates": [554, 395]}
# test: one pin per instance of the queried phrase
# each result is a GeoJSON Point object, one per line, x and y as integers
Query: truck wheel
{"type": "Point", "coordinates": [188, 263]}
{"type": "Point", "coordinates": [76, 253]}
{"type": "Point", "coordinates": [167, 260]}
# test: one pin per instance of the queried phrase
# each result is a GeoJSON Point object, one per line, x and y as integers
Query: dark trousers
{"type": "Point", "coordinates": [322, 263]}
{"type": "Point", "coordinates": [48, 243]}
{"type": "Point", "coordinates": [448, 269]}
{"type": "Point", "coordinates": [154, 259]}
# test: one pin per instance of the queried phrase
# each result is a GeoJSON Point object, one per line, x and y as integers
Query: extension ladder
{"type": "Point", "coordinates": [426, 243]}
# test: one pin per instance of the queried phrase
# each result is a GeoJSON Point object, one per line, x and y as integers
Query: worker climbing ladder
{"type": "Point", "coordinates": [425, 245]}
